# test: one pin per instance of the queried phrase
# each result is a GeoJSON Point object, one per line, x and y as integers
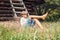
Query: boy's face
{"type": "Point", "coordinates": [24, 15]}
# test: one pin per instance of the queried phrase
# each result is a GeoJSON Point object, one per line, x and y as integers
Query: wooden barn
{"type": "Point", "coordinates": [11, 8]}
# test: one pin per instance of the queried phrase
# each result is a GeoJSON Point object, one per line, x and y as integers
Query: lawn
{"type": "Point", "coordinates": [29, 33]}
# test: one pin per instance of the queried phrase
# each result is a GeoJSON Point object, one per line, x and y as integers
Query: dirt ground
{"type": "Point", "coordinates": [12, 24]}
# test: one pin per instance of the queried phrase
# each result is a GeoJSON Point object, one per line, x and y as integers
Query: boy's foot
{"type": "Point", "coordinates": [44, 16]}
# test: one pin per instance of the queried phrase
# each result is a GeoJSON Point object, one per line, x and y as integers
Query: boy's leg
{"type": "Point", "coordinates": [39, 17]}
{"type": "Point", "coordinates": [38, 23]}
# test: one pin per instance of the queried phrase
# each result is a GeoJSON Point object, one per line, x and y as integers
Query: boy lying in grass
{"type": "Point", "coordinates": [29, 20]}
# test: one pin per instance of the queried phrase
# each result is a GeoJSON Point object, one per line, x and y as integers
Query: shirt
{"type": "Point", "coordinates": [26, 21]}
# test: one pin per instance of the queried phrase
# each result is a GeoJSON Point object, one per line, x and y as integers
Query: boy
{"type": "Point", "coordinates": [28, 20]}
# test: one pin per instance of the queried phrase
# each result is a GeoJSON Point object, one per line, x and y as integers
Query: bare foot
{"type": "Point", "coordinates": [44, 16]}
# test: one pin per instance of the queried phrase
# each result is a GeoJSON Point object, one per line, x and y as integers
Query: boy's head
{"type": "Point", "coordinates": [24, 14]}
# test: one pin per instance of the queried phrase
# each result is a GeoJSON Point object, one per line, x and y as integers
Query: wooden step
{"type": "Point", "coordinates": [6, 11]}
{"type": "Point", "coordinates": [18, 12]}
{"type": "Point", "coordinates": [6, 15]}
{"type": "Point", "coordinates": [6, 18]}
{"type": "Point", "coordinates": [28, 3]}
{"type": "Point", "coordinates": [5, 1]}
{"type": "Point", "coordinates": [15, 1]}
{"type": "Point", "coordinates": [32, 13]}
{"type": "Point", "coordinates": [18, 4]}
{"type": "Point", "coordinates": [19, 7]}
{"type": "Point", "coordinates": [5, 8]}
{"type": "Point", "coordinates": [30, 0]}
{"type": "Point", "coordinates": [29, 9]}
{"type": "Point", "coordinates": [29, 6]}
{"type": "Point", "coordinates": [5, 4]}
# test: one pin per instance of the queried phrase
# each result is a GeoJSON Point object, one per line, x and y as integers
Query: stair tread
{"type": "Point", "coordinates": [29, 9]}
{"type": "Point", "coordinates": [5, 14]}
{"type": "Point", "coordinates": [4, 0]}
{"type": "Point", "coordinates": [18, 12]}
{"type": "Point", "coordinates": [8, 15]}
{"type": "Point", "coordinates": [29, 0]}
{"type": "Point", "coordinates": [16, 0]}
{"type": "Point", "coordinates": [6, 18]}
{"type": "Point", "coordinates": [5, 8]}
{"type": "Point", "coordinates": [6, 11]}
{"type": "Point", "coordinates": [5, 4]}
{"type": "Point", "coordinates": [17, 3]}
{"type": "Point", "coordinates": [28, 3]}
{"type": "Point", "coordinates": [29, 6]}
{"type": "Point", "coordinates": [19, 8]}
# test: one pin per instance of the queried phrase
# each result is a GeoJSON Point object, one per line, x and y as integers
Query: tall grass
{"type": "Point", "coordinates": [29, 33]}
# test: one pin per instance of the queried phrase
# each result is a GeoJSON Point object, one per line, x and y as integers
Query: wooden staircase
{"type": "Point", "coordinates": [11, 8]}
{"type": "Point", "coordinates": [5, 10]}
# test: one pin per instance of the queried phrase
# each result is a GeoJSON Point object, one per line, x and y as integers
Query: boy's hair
{"type": "Point", "coordinates": [24, 13]}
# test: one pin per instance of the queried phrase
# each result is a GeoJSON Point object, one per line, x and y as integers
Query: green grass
{"type": "Point", "coordinates": [30, 33]}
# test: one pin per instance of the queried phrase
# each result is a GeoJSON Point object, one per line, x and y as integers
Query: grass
{"type": "Point", "coordinates": [30, 33]}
